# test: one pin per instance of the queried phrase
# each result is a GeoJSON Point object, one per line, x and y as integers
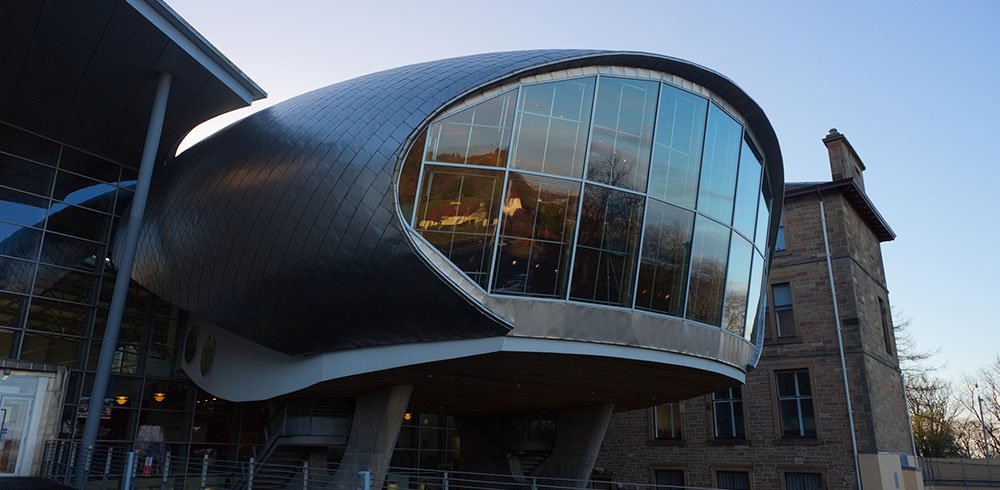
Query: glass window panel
{"type": "Point", "coordinates": [26, 176]}
{"type": "Point", "coordinates": [789, 418]}
{"type": "Point", "coordinates": [57, 317]}
{"type": "Point", "coordinates": [19, 241]}
{"type": "Point", "coordinates": [666, 252]}
{"type": "Point", "coordinates": [165, 395]}
{"type": "Point", "coordinates": [667, 421]}
{"type": "Point", "coordinates": [539, 218]}
{"type": "Point", "coordinates": [763, 216]}
{"type": "Point", "coordinates": [160, 362]}
{"type": "Point", "coordinates": [79, 222]}
{"type": "Point", "coordinates": [669, 478]}
{"type": "Point", "coordinates": [623, 132]}
{"type": "Point", "coordinates": [124, 361]}
{"type": "Point", "coordinates": [782, 294]}
{"type": "Point", "coordinates": [11, 309]}
{"type": "Point", "coordinates": [755, 297]}
{"type": "Point", "coordinates": [50, 349]}
{"type": "Point", "coordinates": [70, 252]}
{"type": "Point", "coordinates": [607, 246]}
{"type": "Point", "coordinates": [719, 165]}
{"type": "Point", "coordinates": [408, 179]}
{"type": "Point", "coordinates": [6, 342]}
{"type": "Point", "coordinates": [457, 213]}
{"type": "Point", "coordinates": [89, 165]}
{"type": "Point", "coordinates": [84, 191]}
{"type": "Point", "coordinates": [802, 377]}
{"type": "Point", "coordinates": [710, 250]}
{"type": "Point", "coordinates": [22, 208]}
{"type": "Point", "coordinates": [803, 481]}
{"type": "Point", "coordinates": [16, 275]}
{"type": "Point", "coordinates": [478, 135]}
{"type": "Point", "coordinates": [786, 383]}
{"type": "Point", "coordinates": [747, 190]}
{"type": "Point", "coordinates": [156, 427]}
{"type": "Point", "coordinates": [125, 199]}
{"type": "Point", "coordinates": [131, 326]}
{"type": "Point", "coordinates": [735, 480]}
{"type": "Point", "coordinates": [27, 145]}
{"type": "Point", "coordinates": [65, 284]}
{"type": "Point", "coordinates": [551, 133]}
{"type": "Point", "coordinates": [808, 419]}
{"type": "Point", "coordinates": [677, 145]}
{"type": "Point", "coordinates": [734, 316]}
{"type": "Point", "coordinates": [779, 242]}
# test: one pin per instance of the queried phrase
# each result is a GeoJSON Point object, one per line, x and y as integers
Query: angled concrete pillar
{"type": "Point", "coordinates": [377, 418]}
{"type": "Point", "coordinates": [579, 434]}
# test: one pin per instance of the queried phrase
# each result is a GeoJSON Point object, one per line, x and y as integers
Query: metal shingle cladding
{"type": "Point", "coordinates": [282, 227]}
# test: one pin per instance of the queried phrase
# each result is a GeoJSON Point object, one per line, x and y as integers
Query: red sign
{"type": "Point", "coordinates": [147, 468]}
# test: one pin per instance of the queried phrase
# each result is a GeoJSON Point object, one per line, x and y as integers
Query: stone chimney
{"type": "Point", "coordinates": [844, 161]}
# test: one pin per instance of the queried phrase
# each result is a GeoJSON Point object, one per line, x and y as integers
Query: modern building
{"type": "Point", "coordinates": [511, 246]}
{"type": "Point", "coordinates": [788, 427]}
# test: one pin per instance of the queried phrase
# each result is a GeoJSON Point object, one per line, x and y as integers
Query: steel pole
{"type": "Point", "coordinates": [124, 277]}
{"type": "Point", "coordinates": [982, 415]}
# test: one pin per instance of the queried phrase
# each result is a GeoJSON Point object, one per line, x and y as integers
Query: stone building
{"type": "Point", "coordinates": [788, 427]}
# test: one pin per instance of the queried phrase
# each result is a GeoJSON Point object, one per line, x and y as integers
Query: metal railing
{"type": "Point", "coordinates": [109, 468]}
{"type": "Point", "coordinates": [961, 472]}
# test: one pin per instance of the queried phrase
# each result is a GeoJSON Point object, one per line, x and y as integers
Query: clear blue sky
{"type": "Point", "coordinates": [914, 86]}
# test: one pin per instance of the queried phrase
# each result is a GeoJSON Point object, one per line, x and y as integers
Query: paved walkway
{"type": "Point", "coordinates": [30, 483]}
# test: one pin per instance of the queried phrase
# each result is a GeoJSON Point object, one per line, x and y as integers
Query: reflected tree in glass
{"type": "Point", "coordinates": [666, 250]}
{"type": "Point", "coordinates": [734, 316]}
{"type": "Point", "coordinates": [755, 298]}
{"type": "Point", "coordinates": [409, 176]}
{"type": "Point", "coordinates": [478, 135]}
{"type": "Point", "coordinates": [710, 249]}
{"type": "Point", "coordinates": [677, 144]}
{"type": "Point", "coordinates": [552, 123]}
{"type": "Point", "coordinates": [457, 213]}
{"type": "Point", "coordinates": [622, 132]}
{"type": "Point", "coordinates": [606, 249]}
{"type": "Point", "coordinates": [538, 221]}
{"type": "Point", "coordinates": [763, 215]}
{"type": "Point", "coordinates": [717, 186]}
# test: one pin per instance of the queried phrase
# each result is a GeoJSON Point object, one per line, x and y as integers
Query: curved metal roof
{"type": "Point", "coordinates": [288, 217]}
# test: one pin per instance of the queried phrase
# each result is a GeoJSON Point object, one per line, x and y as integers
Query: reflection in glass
{"type": "Point", "coordinates": [409, 176]}
{"type": "Point", "coordinates": [6, 342]}
{"type": "Point", "coordinates": [666, 249]}
{"type": "Point", "coordinates": [86, 164]}
{"type": "Point", "coordinates": [70, 252]}
{"type": "Point", "coordinates": [756, 280]}
{"type": "Point", "coordinates": [552, 121]}
{"type": "Point", "coordinates": [734, 316]}
{"type": "Point", "coordinates": [65, 284]}
{"type": "Point", "coordinates": [539, 217]}
{"type": "Point", "coordinates": [57, 317]}
{"type": "Point", "coordinates": [708, 271]}
{"type": "Point", "coordinates": [747, 190]}
{"type": "Point", "coordinates": [22, 208]}
{"type": "Point", "coordinates": [763, 215]}
{"type": "Point", "coordinates": [27, 145]}
{"type": "Point", "coordinates": [478, 135]}
{"type": "Point", "coordinates": [19, 241]}
{"type": "Point", "coordinates": [24, 175]}
{"type": "Point", "coordinates": [50, 349]}
{"type": "Point", "coordinates": [11, 306]}
{"type": "Point", "coordinates": [718, 169]}
{"type": "Point", "coordinates": [15, 275]}
{"type": "Point", "coordinates": [79, 222]}
{"type": "Point", "coordinates": [604, 269]}
{"type": "Point", "coordinates": [457, 213]}
{"type": "Point", "coordinates": [680, 132]}
{"type": "Point", "coordinates": [622, 132]}
{"type": "Point", "coordinates": [82, 191]}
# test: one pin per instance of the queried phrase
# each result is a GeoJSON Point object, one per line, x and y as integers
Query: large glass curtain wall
{"type": "Point", "coordinates": [610, 190]}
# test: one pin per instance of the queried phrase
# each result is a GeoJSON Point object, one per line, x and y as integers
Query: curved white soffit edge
{"type": "Point", "coordinates": [247, 371]}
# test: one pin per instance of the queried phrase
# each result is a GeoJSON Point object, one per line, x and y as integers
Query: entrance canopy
{"type": "Point", "coordinates": [84, 73]}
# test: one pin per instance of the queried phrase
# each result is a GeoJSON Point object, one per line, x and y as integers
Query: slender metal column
{"type": "Point", "coordinates": [124, 277]}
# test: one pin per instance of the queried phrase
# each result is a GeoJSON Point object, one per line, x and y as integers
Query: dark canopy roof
{"type": "Point", "coordinates": [84, 73]}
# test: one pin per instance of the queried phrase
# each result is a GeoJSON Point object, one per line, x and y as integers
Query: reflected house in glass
{"type": "Point", "coordinates": [505, 233]}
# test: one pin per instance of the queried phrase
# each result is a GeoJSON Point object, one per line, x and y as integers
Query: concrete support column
{"type": "Point", "coordinates": [579, 434]}
{"type": "Point", "coordinates": [377, 418]}
{"type": "Point", "coordinates": [124, 277]}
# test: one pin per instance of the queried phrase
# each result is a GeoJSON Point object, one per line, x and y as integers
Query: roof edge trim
{"type": "Point", "coordinates": [192, 42]}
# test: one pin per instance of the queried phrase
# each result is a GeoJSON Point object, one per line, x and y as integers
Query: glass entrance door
{"type": "Point", "coordinates": [14, 418]}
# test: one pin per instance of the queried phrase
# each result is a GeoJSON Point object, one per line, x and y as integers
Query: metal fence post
{"type": "Point", "coordinates": [364, 480]}
{"type": "Point", "coordinates": [55, 465]}
{"type": "Point", "coordinates": [250, 474]}
{"type": "Point", "coordinates": [72, 461]}
{"type": "Point", "coordinates": [107, 469]}
{"type": "Point", "coordinates": [305, 475]}
{"type": "Point", "coordinates": [166, 471]}
{"type": "Point", "coordinates": [204, 470]}
{"type": "Point", "coordinates": [127, 473]}
{"type": "Point", "coordinates": [534, 483]}
{"type": "Point", "coordinates": [444, 481]}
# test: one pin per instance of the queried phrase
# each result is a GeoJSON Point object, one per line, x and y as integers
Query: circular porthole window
{"type": "Point", "coordinates": [207, 355]}
{"type": "Point", "coordinates": [191, 345]}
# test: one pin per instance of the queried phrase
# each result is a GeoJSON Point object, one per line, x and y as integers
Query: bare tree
{"type": "Point", "coordinates": [912, 360]}
{"type": "Point", "coordinates": [981, 399]}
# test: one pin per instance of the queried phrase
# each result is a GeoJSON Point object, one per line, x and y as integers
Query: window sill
{"type": "Point", "coordinates": [799, 441]}
{"type": "Point", "coordinates": [788, 339]}
{"type": "Point", "coordinates": [666, 442]}
{"type": "Point", "coordinates": [729, 442]}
